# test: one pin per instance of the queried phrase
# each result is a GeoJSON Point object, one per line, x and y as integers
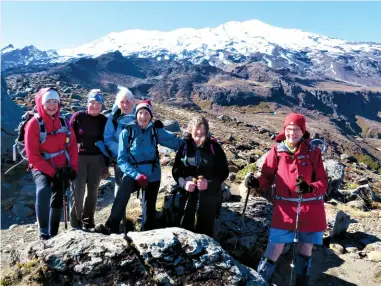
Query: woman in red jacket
{"type": "Point", "coordinates": [52, 153]}
{"type": "Point", "coordinates": [297, 170]}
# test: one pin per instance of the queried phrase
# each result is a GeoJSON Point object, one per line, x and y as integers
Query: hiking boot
{"type": "Point", "coordinates": [44, 236]}
{"type": "Point", "coordinates": [100, 228]}
{"type": "Point", "coordinates": [88, 228]}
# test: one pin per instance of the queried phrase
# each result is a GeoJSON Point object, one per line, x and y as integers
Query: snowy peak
{"type": "Point", "coordinates": [243, 37]}
{"type": "Point", "coordinates": [12, 57]}
{"type": "Point", "coordinates": [7, 49]}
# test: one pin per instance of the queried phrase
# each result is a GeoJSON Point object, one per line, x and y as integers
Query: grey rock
{"type": "Point", "coordinates": [22, 210]}
{"type": "Point", "coordinates": [172, 125]}
{"type": "Point", "coordinates": [351, 249]}
{"type": "Point", "coordinates": [337, 248]}
{"type": "Point", "coordinates": [200, 255]}
{"type": "Point", "coordinates": [365, 193]}
{"type": "Point", "coordinates": [341, 224]}
{"type": "Point", "coordinates": [13, 226]}
{"type": "Point", "coordinates": [357, 204]}
{"type": "Point", "coordinates": [375, 246]}
{"type": "Point", "coordinates": [374, 256]}
{"type": "Point", "coordinates": [28, 190]}
{"type": "Point", "coordinates": [10, 117]}
{"type": "Point", "coordinates": [170, 256]}
{"type": "Point", "coordinates": [354, 255]}
{"type": "Point", "coordinates": [244, 237]}
{"type": "Point", "coordinates": [335, 173]}
{"type": "Point", "coordinates": [233, 169]}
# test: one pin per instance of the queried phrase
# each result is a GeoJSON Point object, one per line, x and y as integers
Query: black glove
{"type": "Point", "coordinates": [251, 181]}
{"type": "Point", "coordinates": [65, 173]}
{"type": "Point", "coordinates": [72, 173]}
{"type": "Point", "coordinates": [303, 187]}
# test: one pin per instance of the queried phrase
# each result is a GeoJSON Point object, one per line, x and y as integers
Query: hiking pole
{"type": "Point", "coordinates": [64, 203]}
{"type": "Point", "coordinates": [296, 237]}
{"type": "Point", "coordinates": [125, 223]}
{"type": "Point", "coordinates": [187, 201]}
{"type": "Point", "coordinates": [200, 178]}
{"type": "Point", "coordinates": [246, 201]}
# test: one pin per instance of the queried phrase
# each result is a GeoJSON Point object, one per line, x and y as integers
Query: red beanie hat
{"type": "Point", "coordinates": [295, 119]}
{"type": "Point", "coordinates": [146, 104]}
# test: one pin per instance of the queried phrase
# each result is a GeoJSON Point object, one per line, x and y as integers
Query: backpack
{"type": "Point", "coordinates": [185, 150]}
{"type": "Point", "coordinates": [131, 138]}
{"type": "Point", "coordinates": [19, 146]}
{"type": "Point", "coordinates": [311, 147]}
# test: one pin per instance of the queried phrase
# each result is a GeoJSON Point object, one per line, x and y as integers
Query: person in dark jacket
{"type": "Point", "coordinates": [88, 126]}
{"type": "Point", "coordinates": [138, 159]}
{"type": "Point", "coordinates": [200, 168]}
{"type": "Point", "coordinates": [52, 157]}
{"type": "Point", "coordinates": [296, 167]}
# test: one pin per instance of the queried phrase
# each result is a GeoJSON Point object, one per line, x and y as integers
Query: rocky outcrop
{"type": "Point", "coordinates": [171, 256]}
{"type": "Point", "coordinates": [10, 117]}
{"type": "Point", "coordinates": [244, 237]}
{"type": "Point", "coordinates": [335, 173]}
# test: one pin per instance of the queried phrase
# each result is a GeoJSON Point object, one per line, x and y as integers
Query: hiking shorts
{"type": "Point", "coordinates": [287, 236]}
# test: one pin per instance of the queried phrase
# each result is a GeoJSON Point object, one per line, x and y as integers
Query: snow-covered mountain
{"type": "Point", "coordinates": [306, 54]}
{"type": "Point", "coordinates": [29, 55]}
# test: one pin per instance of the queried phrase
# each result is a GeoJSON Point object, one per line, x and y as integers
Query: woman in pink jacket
{"type": "Point", "coordinates": [52, 153]}
{"type": "Point", "coordinates": [297, 170]}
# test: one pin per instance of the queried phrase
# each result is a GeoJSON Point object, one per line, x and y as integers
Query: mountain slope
{"type": "Point", "coordinates": [292, 51]}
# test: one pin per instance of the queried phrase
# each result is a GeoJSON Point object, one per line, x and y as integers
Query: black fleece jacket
{"type": "Point", "coordinates": [208, 160]}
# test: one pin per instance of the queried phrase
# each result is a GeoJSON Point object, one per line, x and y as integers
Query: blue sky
{"type": "Point", "coordinates": [57, 25]}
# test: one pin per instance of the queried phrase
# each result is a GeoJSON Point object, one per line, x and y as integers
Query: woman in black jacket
{"type": "Point", "coordinates": [200, 168]}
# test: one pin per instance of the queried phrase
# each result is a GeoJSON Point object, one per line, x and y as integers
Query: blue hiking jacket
{"type": "Point", "coordinates": [143, 148]}
{"type": "Point", "coordinates": [111, 136]}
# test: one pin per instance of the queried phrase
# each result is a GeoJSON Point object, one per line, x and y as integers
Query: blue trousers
{"type": "Point", "coordinates": [49, 202]}
{"type": "Point", "coordinates": [149, 195]}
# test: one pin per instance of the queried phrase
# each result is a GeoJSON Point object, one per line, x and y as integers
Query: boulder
{"type": "Point", "coordinates": [172, 125]}
{"type": "Point", "coordinates": [335, 173]}
{"type": "Point", "coordinates": [340, 224]}
{"type": "Point", "coordinates": [10, 118]}
{"type": "Point", "coordinates": [245, 237]}
{"type": "Point", "coordinates": [170, 256]}
{"type": "Point", "coordinates": [22, 210]}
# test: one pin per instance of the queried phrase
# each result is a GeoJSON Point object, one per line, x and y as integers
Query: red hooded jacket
{"type": "Point", "coordinates": [53, 143]}
{"type": "Point", "coordinates": [286, 168]}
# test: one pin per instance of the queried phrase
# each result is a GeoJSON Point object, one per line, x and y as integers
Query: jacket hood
{"type": "Point", "coordinates": [40, 109]}
{"type": "Point", "coordinates": [126, 119]}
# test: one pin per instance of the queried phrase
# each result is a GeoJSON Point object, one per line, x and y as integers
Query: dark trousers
{"type": "Point", "coordinates": [200, 211]}
{"type": "Point", "coordinates": [49, 202]}
{"type": "Point", "coordinates": [127, 187]}
{"type": "Point", "coordinates": [89, 175]}
{"type": "Point", "coordinates": [118, 179]}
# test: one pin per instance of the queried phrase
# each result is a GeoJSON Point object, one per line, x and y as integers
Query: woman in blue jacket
{"type": "Point", "coordinates": [121, 114]}
{"type": "Point", "coordinates": [138, 159]}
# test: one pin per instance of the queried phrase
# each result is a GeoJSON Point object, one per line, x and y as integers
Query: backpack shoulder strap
{"type": "Point", "coordinates": [155, 140]}
{"type": "Point", "coordinates": [41, 124]}
{"type": "Point", "coordinates": [211, 147]}
{"type": "Point", "coordinates": [131, 135]}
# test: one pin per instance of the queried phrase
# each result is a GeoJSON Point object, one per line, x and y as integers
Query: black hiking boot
{"type": "Point", "coordinates": [100, 228]}
{"type": "Point", "coordinates": [44, 236]}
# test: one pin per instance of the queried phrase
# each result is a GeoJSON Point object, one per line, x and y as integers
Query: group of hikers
{"type": "Point", "coordinates": [78, 154]}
